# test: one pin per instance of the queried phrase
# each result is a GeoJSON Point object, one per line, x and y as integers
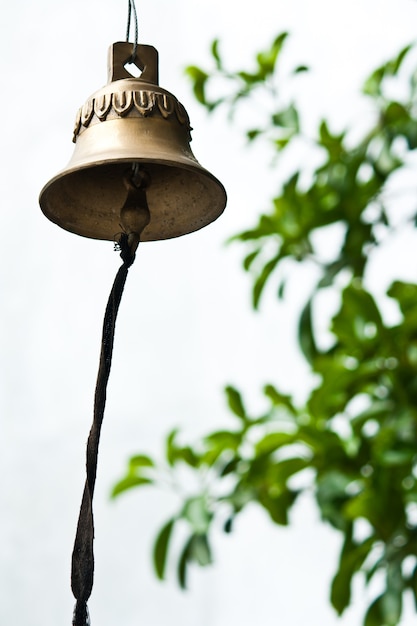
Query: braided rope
{"type": "Point", "coordinates": [82, 572]}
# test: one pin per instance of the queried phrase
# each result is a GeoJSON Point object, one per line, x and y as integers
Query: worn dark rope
{"type": "Point", "coordinates": [83, 555]}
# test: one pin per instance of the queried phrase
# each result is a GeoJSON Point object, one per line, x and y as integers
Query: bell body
{"type": "Point", "coordinates": [132, 124]}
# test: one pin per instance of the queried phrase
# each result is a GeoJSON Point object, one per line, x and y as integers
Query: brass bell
{"type": "Point", "coordinates": [132, 146]}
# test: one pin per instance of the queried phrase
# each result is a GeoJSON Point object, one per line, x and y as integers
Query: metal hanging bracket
{"type": "Point", "coordinates": [145, 59]}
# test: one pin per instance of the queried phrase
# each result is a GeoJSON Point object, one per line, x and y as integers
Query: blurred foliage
{"type": "Point", "coordinates": [353, 443]}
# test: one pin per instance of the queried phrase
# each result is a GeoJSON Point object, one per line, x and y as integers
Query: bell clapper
{"type": "Point", "coordinates": [134, 215]}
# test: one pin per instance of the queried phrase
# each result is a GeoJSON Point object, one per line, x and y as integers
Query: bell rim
{"type": "Point", "coordinates": [185, 163]}
{"type": "Point", "coordinates": [194, 167]}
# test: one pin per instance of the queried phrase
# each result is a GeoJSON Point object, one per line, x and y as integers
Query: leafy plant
{"type": "Point", "coordinates": [353, 442]}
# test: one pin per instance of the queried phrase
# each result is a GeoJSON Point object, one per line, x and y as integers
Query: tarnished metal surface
{"type": "Point", "coordinates": [128, 123]}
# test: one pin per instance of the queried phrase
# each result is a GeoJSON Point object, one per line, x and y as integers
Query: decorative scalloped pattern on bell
{"type": "Point", "coordinates": [102, 105]}
{"type": "Point", "coordinates": [139, 103]}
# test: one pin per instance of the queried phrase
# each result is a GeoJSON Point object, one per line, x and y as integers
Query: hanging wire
{"type": "Point", "coordinates": [135, 17]}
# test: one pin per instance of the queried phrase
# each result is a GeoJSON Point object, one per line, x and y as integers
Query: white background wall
{"type": "Point", "coordinates": [185, 327]}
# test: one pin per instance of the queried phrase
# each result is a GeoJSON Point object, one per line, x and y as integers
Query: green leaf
{"type": "Point", "coordinates": [331, 495]}
{"type": "Point", "coordinates": [278, 506]}
{"type": "Point", "coordinates": [306, 334]}
{"type": "Point", "coordinates": [199, 79]}
{"type": "Point", "coordinates": [352, 558]}
{"type": "Point", "coordinates": [196, 549]}
{"type": "Point", "coordinates": [250, 258]}
{"type": "Point", "coordinates": [396, 112]}
{"type": "Point", "coordinates": [279, 42]}
{"type": "Point", "coordinates": [287, 118]}
{"type": "Point", "coordinates": [359, 323]}
{"type": "Point", "coordinates": [396, 458]}
{"type": "Point", "coordinates": [235, 402]}
{"type": "Point", "coordinates": [129, 482]}
{"type": "Point", "coordinates": [279, 399]}
{"type": "Point", "coordinates": [161, 545]}
{"type": "Point", "coordinates": [134, 476]}
{"type": "Point", "coordinates": [392, 598]}
{"type": "Point", "coordinates": [374, 616]}
{"type": "Point", "coordinates": [195, 511]}
{"type": "Point", "coordinates": [412, 584]}
{"type": "Point", "coordinates": [332, 143]}
{"type": "Point", "coordinates": [171, 447]}
{"type": "Point", "coordinates": [301, 68]}
{"type": "Point", "coordinates": [396, 63]}
{"type": "Point", "coordinates": [372, 86]}
{"type": "Point", "coordinates": [267, 60]}
{"type": "Point", "coordinates": [140, 460]}
{"type": "Point", "coordinates": [330, 272]}
{"type": "Point", "coordinates": [376, 411]}
{"type": "Point", "coordinates": [406, 296]}
{"type": "Point", "coordinates": [387, 160]}
{"type": "Point", "coordinates": [273, 441]}
{"type": "Point", "coordinates": [363, 505]}
{"type": "Point", "coordinates": [175, 453]}
{"type": "Point", "coordinates": [200, 550]}
{"type": "Point", "coordinates": [262, 278]}
{"type": "Point", "coordinates": [282, 471]}
{"type": "Point", "coordinates": [215, 53]}
{"type": "Point", "coordinates": [282, 142]}
{"type": "Point", "coordinates": [230, 467]}
{"type": "Point", "coordinates": [249, 79]}
{"type": "Point", "coordinates": [374, 568]}
{"type": "Point", "coordinates": [281, 289]}
{"type": "Point", "coordinates": [182, 564]}
{"type": "Point", "coordinates": [253, 133]}
{"type": "Point", "coordinates": [224, 440]}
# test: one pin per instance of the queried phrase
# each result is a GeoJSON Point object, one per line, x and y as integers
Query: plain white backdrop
{"type": "Point", "coordinates": [185, 327]}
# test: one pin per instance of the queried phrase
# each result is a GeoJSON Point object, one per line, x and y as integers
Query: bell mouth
{"type": "Point", "coordinates": [87, 200]}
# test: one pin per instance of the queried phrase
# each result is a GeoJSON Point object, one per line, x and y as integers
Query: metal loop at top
{"type": "Point", "coordinates": [131, 6]}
